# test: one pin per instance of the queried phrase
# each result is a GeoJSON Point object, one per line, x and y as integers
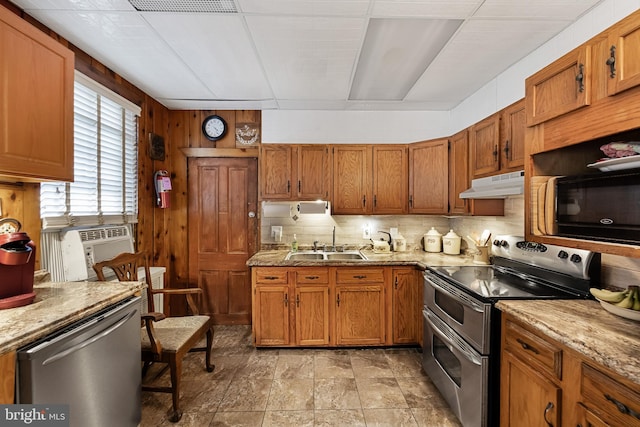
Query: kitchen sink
{"type": "Point", "coordinates": [345, 256]}
{"type": "Point", "coordinates": [325, 256]}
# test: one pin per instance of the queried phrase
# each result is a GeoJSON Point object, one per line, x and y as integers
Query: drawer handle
{"type": "Point", "coordinates": [360, 276]}
{"type": "Point", "coordinates": [611, 62]}
{"type": "Point", "coordinates": [546, 411]}
{"type": "Point", "coordinates": [311, 277]}
{"type": "Point", "coordinates": [580, 78]}
{"type": "Point", "coordinates": [622, 407]}
{"type": "Point", "coordinates": [527, 346]}
{"type": "Point", "coordinates": [271, 277]}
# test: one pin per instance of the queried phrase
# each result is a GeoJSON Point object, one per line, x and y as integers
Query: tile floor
{"type": "Point", "coordinates": [300, 387]}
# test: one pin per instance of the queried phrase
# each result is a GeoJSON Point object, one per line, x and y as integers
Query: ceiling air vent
{"type": "Point", "coordinates": [210, 6]}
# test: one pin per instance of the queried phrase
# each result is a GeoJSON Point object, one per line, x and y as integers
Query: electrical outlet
{"type": "Point", "coordinates": [366, 232]}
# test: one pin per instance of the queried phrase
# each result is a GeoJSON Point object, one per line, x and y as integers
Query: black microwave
{"type": "Point", "coordinates": [601, 206]}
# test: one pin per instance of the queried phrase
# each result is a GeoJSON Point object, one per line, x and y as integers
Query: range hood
{"type": "Point", "coordinates": [495, 187]}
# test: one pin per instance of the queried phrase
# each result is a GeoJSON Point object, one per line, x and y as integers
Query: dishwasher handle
{"type": "Point", "coordinates": [90, 340]}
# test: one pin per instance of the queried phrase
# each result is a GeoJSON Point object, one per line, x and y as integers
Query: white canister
{"type": "Point", "coordinates": [433, 241]}
{"type": "Point", "coordinates": [399, 243]}
{"type": "Point", "coordinates": [451, 243]}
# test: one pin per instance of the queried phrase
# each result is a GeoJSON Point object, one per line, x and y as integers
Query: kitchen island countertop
{"type": "Point", "coordinates": [58, 304]}
{"type": "Point", "coordinates": [584, 326]}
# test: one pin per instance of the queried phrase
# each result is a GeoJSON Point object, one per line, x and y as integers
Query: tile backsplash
{"type": "Point", "coordinates": [616, 271]}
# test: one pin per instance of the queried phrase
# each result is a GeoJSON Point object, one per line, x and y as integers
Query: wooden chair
{"type": "Point", "coordinates": [164, 339]}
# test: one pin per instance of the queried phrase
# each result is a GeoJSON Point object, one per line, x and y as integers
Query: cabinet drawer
{"type": "Point", "coordinates": [271, 276]}
{"type": "Point", "coordinates": [362, 275]}
{"type": "Point", "coordinates": [312, 277]}
{"type": "Point", "coordinates": [529, 346]}
{"type": "Point", "coordinates": [617, 404]}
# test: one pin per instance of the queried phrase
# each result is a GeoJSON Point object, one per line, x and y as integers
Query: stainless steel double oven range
{"type": "Point", "coordinates": [461, 350]}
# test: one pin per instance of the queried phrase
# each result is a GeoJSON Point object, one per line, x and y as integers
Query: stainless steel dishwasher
{"type": "Point", "coordinates": [93, 366]}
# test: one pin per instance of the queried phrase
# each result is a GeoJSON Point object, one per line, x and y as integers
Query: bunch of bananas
{"type": "Point", "coordinates": [629, 298]}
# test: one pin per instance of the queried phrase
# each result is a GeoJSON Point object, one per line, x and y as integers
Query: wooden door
{"type": "Point", "coordinates": [272, 319]}
{"type": "Point", "coordinates": [624, 39]}
{"type": "Point", "coordinates": [390, 179]}
{"type": "Point", "coordinates": [405, 307]}
{"type": "Point", "coordinates": [312, 315]}
{"type": "Point", "coordinates": [352, 179]}
{"type": "Point", "coordinates": [360, 315]}
{"type": "Point", "coordinates": [528, 399]}
{"type": "Point", "coordinates": [223, 234]}
{"type": "Point", "coordinates": [314, 172]}
{"type": "Point", "coordinates": [512, 136]}
{"type": "Point", "coordinates": [458, 172]}
{"type": "Point", "coordinates": [484, 139]}
{"type": "Point", "coordinates": [429, 177]}
{"type": "Point", "coordinates": [276, 172]}
{"type": "Point", "coordinates": [557, 88]}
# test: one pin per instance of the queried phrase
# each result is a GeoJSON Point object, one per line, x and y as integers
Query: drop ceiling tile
{"type": "Point", "coordinates": [305, 7]}
{"type": "Point", "coordinates": [113, 5]}
{"type": "Point", "coordinates": [218, 50]}
{"type": "Point", "coordinates": [547, 9]}
{"type": "Point", "coordinates": [305, 57]}
{"type": "Point", "coordinates": [129, 46]}
{"type": "Point", "coordinates": [450, 9]}
{"type": "Point", "coordinates": [478, 53]}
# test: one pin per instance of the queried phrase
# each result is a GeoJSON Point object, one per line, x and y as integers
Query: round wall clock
{"type": "Point", "coordinates": [214, 127]}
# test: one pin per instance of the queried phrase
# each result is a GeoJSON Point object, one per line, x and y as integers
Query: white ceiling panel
{"type": "Point", "coordinates": [477, 54]}
{"type": "Point", "coordinates": [301, 54]}
{"type": "Point", "coordinates": [128, 45]}
{"type": "Point", "coordinates": [305, 7]}
{"type": "Point", "coordinates": [546, 9]}
{"type": "Point", "coordinates": [229, 70]}
{"type": "Point", "coordinates": [306, 57]}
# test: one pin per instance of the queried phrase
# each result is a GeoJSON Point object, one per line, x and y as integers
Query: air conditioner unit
{"type": "Point", "coordinates": [83, 247]}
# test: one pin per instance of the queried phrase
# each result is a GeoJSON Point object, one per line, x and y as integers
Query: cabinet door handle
{"type": "Point", "coordinates": [622, 407]}
{"type": "Point", "coordinates": [495, 153]}
{"type": "Point", "coordinates": [360, 277]}
{"type": "Point", "coordinates": [286, 300]}
{"type": "Point", "coordinates": [299, 186]}
{"type": "Point", "coordinates": [297, 300]}
{"type": "Point", "coordinates": [506, 150]}
{"type": "Point", "coordinates": [311, 277]}
{"type": "Point", "coordinates": [411, 201]}
{"type": "Point", "coordinates": [546, 411]}
{"type": "Point", "coordinates": [338, 300]}
{"type": "Point", "coordinates": [288, 186]}
{"type": "Point", "coordinates": [580, 78]}
{"type": "Point", "coordinates": [375, 201]}
{"type": "Point", "coordinates": [270, 277]}
{"type": "Point", "coordinates": [364, 201]}
{"type": "Point", "coordinates": [396, 283]}
{"type": "Point", "coordinates": [611, 62]}
{"type": "Point", "coordinates": [527, 346]}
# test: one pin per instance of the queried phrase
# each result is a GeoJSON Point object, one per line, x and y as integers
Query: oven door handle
{"type": "Point", "coordinates": [458, 296]}
{"type": "Point", "coordinates": [466, 353]}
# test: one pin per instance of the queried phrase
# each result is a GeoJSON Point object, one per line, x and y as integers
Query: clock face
{"type": "Point", "coordinates": [214, 127]}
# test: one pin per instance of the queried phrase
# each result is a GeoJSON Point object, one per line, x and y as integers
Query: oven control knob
{"type": "Point", "coordinates": [575, 258]}
{"type": "Point", "coordinates": [563, 255]}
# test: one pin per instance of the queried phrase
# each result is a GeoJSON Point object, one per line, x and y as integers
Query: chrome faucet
{"type": "Point", "coordinates": [315, 246]}
{"type": "Point", "coordinates": [333, 245]}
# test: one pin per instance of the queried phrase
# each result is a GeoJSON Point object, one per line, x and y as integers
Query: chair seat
{"type": "Point", "coordinates": [174, 332]}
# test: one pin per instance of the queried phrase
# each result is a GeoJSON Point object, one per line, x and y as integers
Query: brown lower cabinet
{"type": "Point", "coordinates": [544, 383]}
{"type": "Point", "coordinates": [335, 306]}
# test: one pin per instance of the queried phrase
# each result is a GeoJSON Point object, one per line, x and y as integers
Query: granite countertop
{"type": "Point", "coordinates": [584, 326]}
{"type": "Point", "coordinates": [416, 258]}
{"type": "Point", "coordinates": [58, 304]}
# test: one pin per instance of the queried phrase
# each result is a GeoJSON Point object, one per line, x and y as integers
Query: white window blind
{"type": "Point", "coordinates": [104, 190]}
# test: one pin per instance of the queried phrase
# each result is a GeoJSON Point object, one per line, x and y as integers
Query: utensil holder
{"type": "Point", "coordinates": [482, 256]}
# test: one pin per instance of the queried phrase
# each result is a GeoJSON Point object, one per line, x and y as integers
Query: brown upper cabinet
{"type": "Point", "coordinates": [624, 60]}
{"type": "Point", "coordinates": [294, 172]}
{"type": "Point", "coordinates": [497, 142]}
{"type": "Point", "coordinates": [559, 88]}
{"type": "Point", "coordinates": [428, 177]}
{"type": "Point", "coordinates": [458, 171]}
{"type": "Point", "coordinates": [36, 80]}
{"type": "Point", "coordinates": [369, 179]}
